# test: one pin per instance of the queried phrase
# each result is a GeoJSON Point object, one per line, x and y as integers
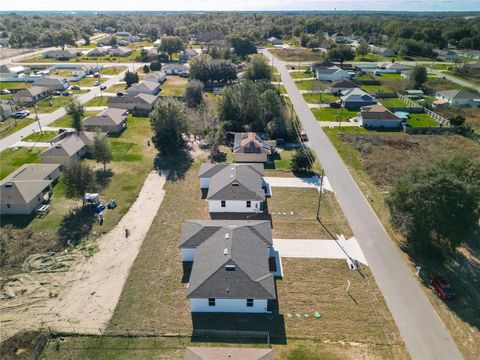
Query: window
{"type": "Point", "coordinates": [223, 203]}
{"type": "Point", "coordinates": [211, 301]}
{"type": "Point", "coordinates": [249, 204]}
{"type": "Point", "coordinates": [249, 302]}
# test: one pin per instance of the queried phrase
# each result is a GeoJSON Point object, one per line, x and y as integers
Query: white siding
{"type": "Point", "coordinates": [188, 254]}
{"type": "Point", "coordinates": [228, 305]}
{"type": "Point", "coordinates": [21, 209]}
{"type": "Point", "coordinates": [233, 206]}
{"type": "Point", "coordinates": [204, 183]}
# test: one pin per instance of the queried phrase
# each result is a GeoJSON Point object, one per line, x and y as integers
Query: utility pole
{"type": "Point", "coordinates": [37, 118]}
{"type": "Point", "coordinates": [320, 195]}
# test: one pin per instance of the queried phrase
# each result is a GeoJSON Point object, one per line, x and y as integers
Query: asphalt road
{"type": "Point", "coordinates": [455, 80]}
{"type": "Point", "coordinates": [420, 326]}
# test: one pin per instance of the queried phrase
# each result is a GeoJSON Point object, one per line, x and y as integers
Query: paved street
{"type": "Point", "coordinates": [454, 79]}
{"type": "Point", "coordinates": [420, 326]}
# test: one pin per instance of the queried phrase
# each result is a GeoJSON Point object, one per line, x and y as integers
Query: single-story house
{"type": "Point", "coordinates": [249, 147]}
{"type": "Point", "coordinates": [234, 188]}
{"type": "Point", "coordinates": [7, 108]}
{"type": "Point", "coordinates": [60, 54]}
{"type": "Point", "coordinates": [377, 117]}
{"type": "Point", "coordinates": [73, 146]}
{"type": "Point", "coordinates": [30, 95]}
{"type": "Point", "coordinates": [460, 97]}
{"type": "Point", "coordinates": [342, 85]}
{"type": "Point", "coordinates": [139, 105]}
{"type": "Point", "coordinates": [447, 55]}
{"type": "Point", "coordinates": [474, 54]}
{"type": "Point", "coordinates": [331, 73]}
{"type": "Point", "coordinates": [385, 52]}
{"type": "Point", "coordinates": [356, 98]}
{"type": "Point", "coordinates": [98, 51]}
{"type": "Point", "coordinates": [325, 64]}
{"type": "Point", "coordinates": [393, 67]}
{"type": "Point", "coordinates": [158, 76]}
{"type": "Point", "coordinates": [275, 41]}
{"type": "Point", "coordinates": [228, 353]}
{"type": "Point", "coordinates": [52, 83]}
{"type": "Point", "coordinates": [176, 69]}
{"type": "Point", "coordinates": [22, 192]}
{"type": "Point", "coordinates": [121, 51]}
{"type": "Point", "coordinates": [187, 54]}
{"type": "Point", "coordinates": [144, 87]}
{"type": "Point", "coordinates": [232, 271]}
{"type": "Point", "coordinates": [111, 121]}
{"type": "Point", "coordinates": [123, 34]}
{"type": "Point", "coordinates": [12, 71]}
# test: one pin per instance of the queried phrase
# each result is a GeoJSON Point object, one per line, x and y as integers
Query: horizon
{"type": "Point", "coordinates": [243, 6]}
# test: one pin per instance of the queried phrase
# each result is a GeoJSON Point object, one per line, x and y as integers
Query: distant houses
{"type": "Point", "coordinates": [275, 41]}
{"type": "Point", "coordinates": [187, 54]}
{"type": "Point", "coordinates": [138, 105]}
{"type": "Point", "coordinates": [446, 55]}
{"type": "Point", "coordinates": [342, 85]}
{"type": "Point", "coordinates": [459, 97]}
{"type": "Point", "coordinates": [392, 67]}
{"type": "Point", "coordinates": [176, 69]}
{"type": "Point", "coordinates": [60, 54]}
{"type": "Point", "coordinates": [156, 76]}
{"type": "Point", "coordinates": [30, 95]}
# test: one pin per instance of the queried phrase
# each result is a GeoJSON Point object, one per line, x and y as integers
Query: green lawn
{"type": "Point", "coordinates": [305, 84]}
{"type": "Point", "coordinates": [89, 81]}
{"type": "Point", "coordinates": [112, 70]}
{"type": "Point", "coordinates": [301, 75]}
{"type": "Point", "coordinates": [14, 85]}
{"type": "Point", "coordinates": [13, 158]}
{"type": "Point", "coordinates": [10, 126]}
{"type": "Point", "coordinates": [85, 58]}
{"type": "Point", "coordinates": [97, 101]}
{"type": "Point", "coordinates": [320, 98]}
{"type": "Point", "coordinates": [51, 104]}
{"type": "Point", "coordinates": [46, 136]}
{"type": "Point", "coordinates": [441, 66]}
{"type": "Point", "coordinates": [301, 67]}
{"type": "Point", "coordinates": [330, 114]}
{"type": "Point", "coordinates": [376, 88]}
{"type": "Point", "coordinates": [421, 120]}
{"type": "Point", "coordinates": [66, 121]}
{"type": "Point", "coordinates": [388, 77]}
{"type": "Point", "coordinates": [174, 86]}
{"type": "Point", "coordinates": [116, 88]}
{"type": "Point", "coordinates": [392, 102]}
{"type": "Point", "coordinates": [368, 58]}
{"type": "Point", "coordinates": [282, 89]}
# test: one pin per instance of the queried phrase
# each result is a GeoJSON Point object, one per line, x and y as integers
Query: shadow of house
{"type": "Point", "coordinates": [187, 271]}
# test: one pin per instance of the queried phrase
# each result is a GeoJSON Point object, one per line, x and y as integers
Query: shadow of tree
{"type": "Point", "coordinates": [177, 164]}
{"type": "Point", "coordinates": [103, 177]}
{"type": "Point", "coordinates": [77, 224]}
{"type": "Point", "coordinates": [187, 271]}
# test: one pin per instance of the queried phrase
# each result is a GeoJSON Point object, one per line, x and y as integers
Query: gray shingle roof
{"type": "Point", "coordinates": [245, 247]}
{"type": "Point", "coordinates": [32, 172]}
{"type": "Point", "coordinates": [137, 99]}
{"type": "Point", "coordinates": [144, 86]}
{"type": "Point", "coordinates": [458, 94]}
{"type": "Point", "coordinates": [356, 95]}
{"type": "Point", "coordinates": [110, 116]}
{"type": "Point", "coordinates": [207, 170]}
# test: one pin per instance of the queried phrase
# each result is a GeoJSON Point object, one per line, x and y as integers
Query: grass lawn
{"type": "Point", "coordinates": [89, 81]}
{"type": "Point", "coordinates": [388, 77]}
{"type": "Point", "coordinates": [421, 120]}
{"type": "Point", "coordinates": [368, 58]}
{"type": "Point", "coordinates": [315, 98]}
{"type": "Point", "coordinates": [282, 89]}
{"type": "Point", "coordinates": [174, 86]}
{"type": "Point", "coordinates": [376, 88]}
{"type": "Point", "coordinates": [10, 126]}
{"type": "Point", "coordinates": [375, 173]}
{"type": "Point", "coordinates": [116, 88]}
{"type": "Point", "coordinates": [50, 104]}
{"type": "Point", "coordinates": [299, 54]}
{"type": "Point", "coordinates": [305, 84]}
{"type": "Point", "coordinates": [300, 75]}
{"type": "Point", "coordinates": [301, 67]}
{"type": "Point", "coordinates": [140, 44]}
{"type": "Point", "coordinates": [66, 121]}
{"type": "Point", "coordinates": [97, 101]}
{"type": "Point", "coordinates": [331, 114]}
{"type": "Point", "coordinates": [13, 158]}
{"type": "Point", "coordinates": [46, 136]}
{"type": "Point", "coordinates": [392, 102]}
{"type": "Point", "coordinates": [14, 85]}
{"type": "Point", "coordinates": [281, 163]}
{"type": "Point", "coordinates": [112, 70]}
{"type": "Point", "coordinates": [441, 66]}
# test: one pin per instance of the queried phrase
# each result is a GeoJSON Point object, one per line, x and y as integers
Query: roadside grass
{"type": "Point", "coordinates": [139, 44]}
{"type": "Point", "coordinates": [13, 158]}
{"type": "Point", "coordinates": [66, 121]}
{"type": "Point", "coordinates": [46, 136]}
{"type": "Point", "coordinates": [323, 98]}
{"type": "Point", "coordinates": [331, 114]}
{"type": "Point", "coordinates": [368, 58]}
{"type": "Point", "coordinates": [300, 75]}
{"type": "Point", "coordinates": [299, 54]}
{"type": "Point", "coordinates": [305, 84]}
{"type": "Point", "coordinates": [50, 104]}
{"type": "Point", "coordinates": [116, 88]}
{"type": "Point", "coordinates": [276, 77]}
{"type": "Point", "coordinates": [174, 86]}
{"type": "Point", "coordinates": [296, 67]}
{"type": "Point", "coordinates": [392, 102]}
{"type": "Point", "coordinates": [388, 77]}
{"type": "Point", "coordinates": [97, 101]}
{"type": "Point", "coordinates": [281, 88]}
{"type": "Point", "coordinates": [14, 85]}
{"type": "Point", "coordinates": [421, 120]}
{"type": "Point", "coordinates": [441, 66]}
{"type": "Point", "coordinates": [435, 84]}
{"type": "Point", "coordinates": [376, 173]}
{"type": "Point", "coordinates": [88, 81]}
{"type": "Point", "coordinates": [10, 126]}
{"type": "Point", "coordinates": [112, 70]}
{"type": "Point", "coordinates": [85, 58]}
{"type": "Point", "coordinates": [303, 224]}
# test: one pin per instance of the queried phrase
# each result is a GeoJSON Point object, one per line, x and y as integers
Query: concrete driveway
{"type": "Point", "coordinates": [297, 182]}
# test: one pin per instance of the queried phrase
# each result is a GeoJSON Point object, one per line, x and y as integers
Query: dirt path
{"type": "Point", "coordinates": [89, 291]}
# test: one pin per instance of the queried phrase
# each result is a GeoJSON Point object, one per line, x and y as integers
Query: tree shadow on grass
{"type": "Point", "coordinates": [76, 225]}
{"type": "Point", "coordinates": [177, 164]}
{"type": "Point", "coordinates": [103, 177]}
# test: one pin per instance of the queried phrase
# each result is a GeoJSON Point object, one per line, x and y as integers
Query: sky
{"type": "Point", "coordinates": [231, 5]}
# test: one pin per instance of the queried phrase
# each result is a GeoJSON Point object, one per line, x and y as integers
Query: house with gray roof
{"type": "Point", "coordinates": [228, 353]}
{"type": "Point", "coordinates": [110, 120]}
{"type": "Point", "coordinates": [342, 85]}
{"type": "Point", "coordinates": [378, 117]}
{"type": "Point", "coordinates": [53, 83]}
{"type": "Point", "coordinates": [121, 51]}
{"type": "Point", "coordinates": [459, 97]}
{"type": "Point", "coordinates": [356, 98]}
{"type": "Point", "coordinates": [156, 76]}
{"type": "Point", "coordinates": [249, 147]}
{"type": "Point", "coordinates": [234, 188]}
{"type": "Point", "coordinates": [30, 95]}
{"type": "Point", "coordinates": [275, 41]}
{"type": "Point", "coordinates": [138, 105]}
{"type": "Point", "coordinates": [23, 191]}
{"type": "Point", "coordinates": [234, 265]}
{"type": "Point", "coordinates": [447, 55]}
{"type": "Point", "coordinates": [176, 69]}
{"type": "Point", "coordinates": [187, 54]}
{"type": "Point", "coordinates": [331, 73]}
{"type": "Point", "coordinates": [60, 54]}
{"type": "Point", "coordinates": [99, 51]}
{"type": "Point", "coordinates": [144, 87]}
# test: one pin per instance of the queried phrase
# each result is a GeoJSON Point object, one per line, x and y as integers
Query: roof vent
{"type": "Point", "coordinates": [225, 251]}
{"type": "Point", "coordinates": [235, 184]}
{"type": "Point", "coordinates": [8, 185]}
{"type": "Point", "coordinates": [230, 267]}
{"type": "Point", "coordinates": [228, 291]}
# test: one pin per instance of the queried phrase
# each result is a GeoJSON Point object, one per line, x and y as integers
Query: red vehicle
{"type": "Point", "coordinates": [442, 287]}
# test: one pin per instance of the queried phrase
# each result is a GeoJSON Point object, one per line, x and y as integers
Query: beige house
{"type": "Point", "coordinates": [110, 120]}
{"type": "Point", "coordinates": [23, 191]}
{"type": "Point", "coordinates": [73, 146]}
{"type": "Point", "coordinates": [139, 105]}
{"type": "Point", "coordinates": [378, 117]}
{"type": "Point", "coordinates": [30, 95]}
{"type": "Point", "coordinates": [248, 147]}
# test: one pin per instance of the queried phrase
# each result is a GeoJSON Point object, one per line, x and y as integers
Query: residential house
{"type": "Point", "coordinates": [447, 55]}
{"type": "Point", "coordinates": [249, 147]}
{"type": "Point", "coordinates": [234, 188]}
{"type": "Point", "coordinates": [393, 67]}
{"type": "Point", "coordinates": [321, 65]}
{"type": "Point", "coordinates": [13, 71]}
{"type": "Point", "coordinates": [275, 41]}
{"type": "Point", "coordinates": [331, 73]}
{"type": "Point", "coordinates": [72, 146]}
{"type": "Point", "coordinates": [228, 353]}
{"type": "Point", "coordinates": [111, 121]}
{"type": "Point", "coordinates": [378, 117]}
{"type": "Point", "coordinates": [234, 265]}
{"type": "Point", "coordinates": [176, 69]}
{"type": "Point", "coordinates": [123, 42]}
{"type": "Point", "coordinates": [99, 51]}
{"type": "Point", "coordinates": [7, 108]}
{"type": "Point", "coordinates": [188, 54]}
{"type": "Point", "coordinates": [459, 97]}
{"type": "Point", "coordinates": [342, 85]}
{"type": "Point", "coordinates": [121, 51]}
{"type": "Point", "coordinates": [123, 34]}
{"type": "Point", "coordinates": [356, 98]}
{"type": "Point", "coordinates": [144, 87]}
{"type": "Point", "coordinates": [385, 52]}
{"type": "Point", "coordinates": [60, 54]}
{"type": "Point", "coordinates": [22, 192]}
{"type": "Point", "coordinates": [138, 105]}
{"type": "Point", "coordinates": [157, 76]}
{"type": "Point", "coordinates": [30, 95]}
{"type": "Point", "coordinates": [473, 54]}
{"type": "Point", "coordinates": [52, 83]}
